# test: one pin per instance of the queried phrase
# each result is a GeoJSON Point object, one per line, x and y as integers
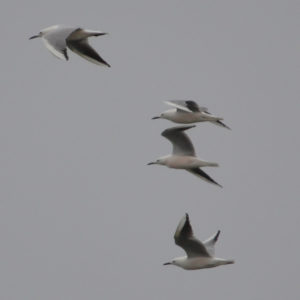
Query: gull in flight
{"type": "Point", "coordinates": [58, 37]}
{"type": "Point", "coordinates": [199, 255]}
{"type": "Point", "coordinates": [184, 156]}
{"type": "Point", "coordinates": [188, 111]}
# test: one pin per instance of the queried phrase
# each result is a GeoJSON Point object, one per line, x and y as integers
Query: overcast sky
{"type": "Point", "coordinates": [81, 214]}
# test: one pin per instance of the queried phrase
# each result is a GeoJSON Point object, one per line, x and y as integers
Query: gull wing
{"type": "Point", "coordinates": [185, 239]}
{"type": "Point", "coordinates": [78, 43]}
{"type": "Point", "coordinates": [204, 109]}
{"type": "Point", "coordinates": [187, 105]}
{"type": "Point", "coordinates": [55, 41]}
{"type": "Point", "coordinates": [219, 123]}
{"type": "Point", "coordinates": [79, 34]}
{"type": "Point", "coordinates": [210, 243]}
{"type": "Point", "coordinates": [182, 144]}
{"type": "Point", "coordinates": [179, 104]}
{"type": "Point", "coordinates": [200, 173]}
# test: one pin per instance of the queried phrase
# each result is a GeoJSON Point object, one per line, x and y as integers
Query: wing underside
{"type": "Point", "coordinates": [185, 239]}
{"type": "Point", "coordinates": [182, 144]}
{"type": "Point", "coordinates": [57, 50]}
{"type": "Point", "coordinates": [200, 173]}
{"type": "Point", "coordinates": [82, 48]}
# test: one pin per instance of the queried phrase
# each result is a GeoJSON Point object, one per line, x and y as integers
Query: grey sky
{"type": "Point", "coordinates": [82, 216]}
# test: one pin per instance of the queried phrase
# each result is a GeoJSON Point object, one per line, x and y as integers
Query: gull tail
{"type": "Point", "coordinates": [80, 34]}
{"type": "Point", "coordinates": [94, 32]}
{"type": "Point", "coordinates": [222, 261]}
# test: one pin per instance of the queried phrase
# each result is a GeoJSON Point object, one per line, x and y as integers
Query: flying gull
{"type": "Point", "coordinates": [184, 156]}
{"type": "Point", "coordinates": [199, 255]}
{"type": "Point", "coordinates": [58, 37]}
{"type": "Point", "coordinates": [188, 111]}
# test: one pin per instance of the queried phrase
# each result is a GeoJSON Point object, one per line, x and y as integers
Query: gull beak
{"type": "Point", "coordinates": [150, 163]}
{"type": "Point", "coordinates": [167, 263]}
{"type": "Point", "coordinates": [154, 118]}
{"type": "Point", "coordinates": [34, 37]}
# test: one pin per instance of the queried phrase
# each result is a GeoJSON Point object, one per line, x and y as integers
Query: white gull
{"type": "Point", "coordinates": [184, 155]}
{"type": "Point", "coordinates": [188, 111]}
{"type": "Point", "coordinates": [200, 255]}
{"type": "Point", "coordinates": [58, 37]}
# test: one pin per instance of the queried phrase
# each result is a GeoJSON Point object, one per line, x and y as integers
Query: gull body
{"type": "Point", "coordinates": [187, 112]}
{"type": "Point", "coordinates": [184, 162]}
{"type": "Point", "coordinates": [184, 156]}
{"type": "Point", "coordinates": [196, 263]}
{"type": "Point", "coordinates": [184, 117]}
{"type": "Point", "coordinates": [200, 255]}
{"type": "Point", "coordinates": [58, 38]}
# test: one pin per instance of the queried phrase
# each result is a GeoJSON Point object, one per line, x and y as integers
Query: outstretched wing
{"type": "Point", "coordinates": [182, 144]}
{"type": "Point", "coordinates": [200, 173]}
{"type": "Point", "coordinates": [210, 243]}
{"type": "Point", "coordinates": [219, 123]}
{"type": "Point", "coordinates": [78, 43]}
{"type": "Point", "coordinates": [187, 105]}
{"type": "Point", "coordinates": [55, 41]}
{"type": "Point", "coordinates": [185, 239]}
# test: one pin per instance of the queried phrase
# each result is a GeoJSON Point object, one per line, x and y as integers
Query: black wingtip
{"type": "Point", "coordinates": [199, 172]}
{"type": "Point", "coordinates": [103, 62]}
{"type": "Point", "coordinates": [101, 33]}
{"type": "Point", "coordinates": [217, 235]}
{"type": "Point", "coordinates": [224, 125]}
{"type": "Point", "coordinates": [215, 183]}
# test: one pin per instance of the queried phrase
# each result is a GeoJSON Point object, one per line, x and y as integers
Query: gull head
{"type": "Point", "coordinates": [176, 262]}
{"type": "Point", "coordinates": [44, 31]}
{"type": "Point", "coordinates": [36, 36]}
{"type": "Point", "coordinates": [164, 115]}
{"type": "Point", "coordinates": [157, 117]}
{"type": "Point", "coordinates": [159, 161]}
{"type": "Point", "coordinates": [172, 262]}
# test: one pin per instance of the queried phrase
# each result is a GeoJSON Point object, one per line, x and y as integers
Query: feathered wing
{"type": "Point", "coordinates": [185, 239]}
{"type": "Point", "coordinates": [179, 104]}
{"type": "Point", "coordinates": [210, 243]}
{"type": "Point", "coordinates": [219, 123]}
{"type": "Point", "coordinates": [57, 47]}
{"type": "Point", "coordinates": [78, 43]}
{"type": "Point", "coordinates": [79, 34]}
{"type": "Point", "coordinates": [182, 144]}
{"type": "Point", "coordinates": [83, 49]}
{"type": "Point", "coordinates": [186, 105]}
{"type": "Point", "coordinates": [200, 173]}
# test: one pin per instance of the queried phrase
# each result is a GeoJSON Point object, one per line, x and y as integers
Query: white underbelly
{"type": "Point", "coordinates": [186, 118]}
{"type": "Point", "coordinates": [182, 162]}
{"type": "Point", "coordinates": [197, 263]}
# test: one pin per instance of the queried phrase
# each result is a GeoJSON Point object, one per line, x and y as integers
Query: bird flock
{"type": "Point", "coordinates": [199, 254]}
